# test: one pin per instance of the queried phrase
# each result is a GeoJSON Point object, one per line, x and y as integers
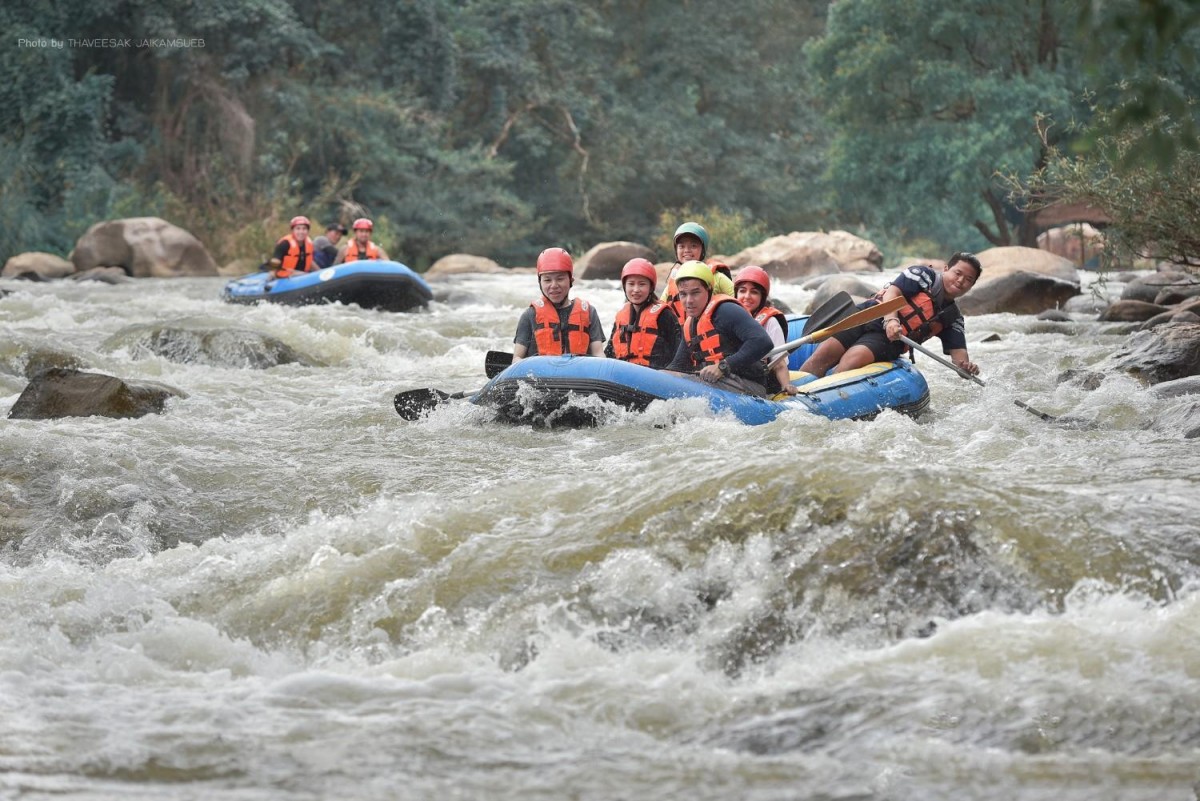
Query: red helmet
{"type": "Point", "coordinates": [555, 260]}
{"type": "Point", "coordinates": [754, 275]}
{"type": "Point", "coordinates": [642, 268]}
{"type": "Point", "coordinates": [300, 220]}
{"type": "Point", "coordinates": [363, 224]}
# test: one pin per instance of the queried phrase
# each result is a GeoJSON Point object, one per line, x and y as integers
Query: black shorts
{"type": "Point", "coordinates": [870, 335]}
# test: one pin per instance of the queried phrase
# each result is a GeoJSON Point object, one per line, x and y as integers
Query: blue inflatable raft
{"type": "Point", "coordinates": [383, 285]}
{"type": "Point", "coordinates": [540, 390]}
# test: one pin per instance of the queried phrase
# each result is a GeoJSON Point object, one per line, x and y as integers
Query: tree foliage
{"type": "Point", "coordinates": [931, 99]}
{"type": "Point", "coordinates": [1135, 156]}
{"type": "Point", "coordinates": [495, 126]}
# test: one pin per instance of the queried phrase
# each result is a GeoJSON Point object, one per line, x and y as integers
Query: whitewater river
{"type": "Point", "coordinates": [278, 589]}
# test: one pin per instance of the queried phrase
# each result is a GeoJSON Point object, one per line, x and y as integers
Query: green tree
{"type": "Point", "coordinates": [1135, 156]}
{"type": "Point", "coordinates": [930, 100]}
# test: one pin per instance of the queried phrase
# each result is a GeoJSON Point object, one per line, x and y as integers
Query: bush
{"type": "Point", "coordinates": [728, 231]}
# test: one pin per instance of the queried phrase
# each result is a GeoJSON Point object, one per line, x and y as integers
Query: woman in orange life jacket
{"type": "Point", "coordinates": [722, 344]}
{"type": "Point", "coordinates": [361, 246]}
{"type": "Point", "coordinates": [555, 325]}
{"type": "Point", "coordinates": [646, 330]}
{"type": "Point", "coordinates": [751, 288]}
{"type": "Point", "coordinates": [931, 294]}
{"type": "Point", "coordinates": [691, 244]}
{"type": "Point", "coordinates": [294, 252]}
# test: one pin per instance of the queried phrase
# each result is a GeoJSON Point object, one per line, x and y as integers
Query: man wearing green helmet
{"type": "Point", "coordinates": [722, 344]}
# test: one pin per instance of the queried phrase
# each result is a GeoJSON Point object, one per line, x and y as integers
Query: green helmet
{"type": "Point", "coordinates": [696, 230]}
{"type": "Point", "coordinates": [695, 269]}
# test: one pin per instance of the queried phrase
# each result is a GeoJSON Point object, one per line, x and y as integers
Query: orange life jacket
{"type": "Point", "coordinates": [634, 342]}
{"type": "Point", "coordinates": [354, 254]}
{"type": "Point", "coordinates": [298, 257]}
{"type": "Point", "coordinates": [766, 313]}
{"type": "Point", "coordinates": [918, 318]}
{"type": "Point", "coordinates": [703, 342]}
{"type": "Point", "coordinates": [548, 329]}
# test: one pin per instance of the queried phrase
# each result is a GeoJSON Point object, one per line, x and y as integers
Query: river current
{"type": "Point", "coordinates": [278, 589]}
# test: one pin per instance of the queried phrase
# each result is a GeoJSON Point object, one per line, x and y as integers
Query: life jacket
{"type": "Point", "coordinates": [704, 343]}
{"type": "Point", "coordinates": [548, 329]}
{"type": "Point", "coordinates": [766, 313]}
{"type": "Point", "coordinates": [671, 294]}
{"type": "Point", "coordinates": [354, 254]}
{"type": "Point", "coordinates": [920, 318]}
{"type": "Point", "coordinates": [298, 257]}
{"type": "Point", "coordinates": [634, 341]}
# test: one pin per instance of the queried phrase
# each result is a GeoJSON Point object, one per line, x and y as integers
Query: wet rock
{"type": "Point", "coordinates": [993, 337]}
{"type": "Point", "coordinates": [833, 284]}
{"type": "Point", "coordinates": [1177, 388]}
{"type": "Point", "coordinates": [1171, 316]}
{"type": "Point", "coordinates": [1130, 311]}
{"type": "Point", "coordinates": [143, 247]}
{"type": "Point", "coordinates": [1146, 288]}
{"type": "Point", "coordinates": [1018, 293]}
{"type": "Point", "coordinates": [460, 264]}
{"type": "Point", "coordinates": [1085, 379]}
{"type": "Point", "coordinates": [1055, 316]}
{"type": "Point", "coordinates": [1178, 293]}
{"type": "Point", "coordinates": [189, 342]}
{"type": "Point", "coordinates": [104, 275]}
{"type": "Point", "coordinates": [606, 259]}
{"type": "Point", "coordinates": [1086, 304]}
{"type": "Point", "coordinates": [1163, 354]}
{"type": "Point", "coordinates": [37, 266]}
{"type": "Point", "coordinates": [71, 393]}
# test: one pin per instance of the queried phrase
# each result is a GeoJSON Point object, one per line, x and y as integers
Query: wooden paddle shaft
{"type": "Point", "coordinates": [853, 321]}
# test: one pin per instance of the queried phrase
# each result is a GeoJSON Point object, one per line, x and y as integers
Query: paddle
{"type": "Point", "coordinates": [835, 308]}
{"type": "Point", "coordinates": [853, 321]}
{"type": "Point", "coordinates": [412, 404]}
{"type": "Point", "coordinates": [495, 362]}
{"type": "Point", "coordinates": [1049, 418]}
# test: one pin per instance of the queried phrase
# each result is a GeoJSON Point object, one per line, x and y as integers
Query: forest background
{"type": "Point", "coordinates": [499, 127]}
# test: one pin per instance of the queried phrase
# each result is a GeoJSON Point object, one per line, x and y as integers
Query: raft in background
{"type": "Point", "coordinates": [371, 284]}
{"type": "Point", "coordinates": [543, 390]}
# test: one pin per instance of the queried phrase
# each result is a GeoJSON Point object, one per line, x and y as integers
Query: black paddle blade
{"type": "Point", "coordinates": [495, 362]}
{"type": "Point", "coordinates": [414, 403]}
{"type": "Point", "coordinates": [831, 311]}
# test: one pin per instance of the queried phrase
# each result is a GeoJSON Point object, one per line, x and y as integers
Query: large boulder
{"type": "Point", "coordinates": [461, 264]}
{"type": "Point", "coordinates": [1165, 353]}
{"type": "Point", "coordinates": [1018, 293]}
{"type": "Point", "coordinates": [787, 259]}
{"type": "Point", "coordinates": [1078, 243]}
{"type": "Point", "coordinates": [37, 265]}
{"type": "Point", "coordinates": [1130, 311]}
{"type": "Point", "coordinates": [71, 393]}
{"type": "Point", "coordinates": [199, 342]}
{"type": "Point", "coordinates": [606, 259]}
{"type": "Point", "coordinates": [801, 254]}
{"type": "Point", "coordinates": [855, 286]}
{"type": "Point", "coordinates": [144, 247]}
{"type": "Point", "coordinates": [1004, 261]}
{"type": "Point", "coordinates": [1147, 288]}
